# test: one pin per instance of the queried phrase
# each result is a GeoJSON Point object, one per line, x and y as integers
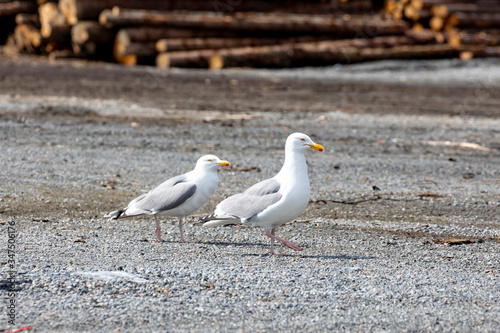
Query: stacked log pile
{"type": "Point", "coordinates": [457, 23]}
{"type": "Point", "coordinates": [251, 33]}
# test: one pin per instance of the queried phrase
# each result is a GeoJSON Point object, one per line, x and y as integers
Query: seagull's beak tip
{"type": "Point", "coordinates": [318, 147]}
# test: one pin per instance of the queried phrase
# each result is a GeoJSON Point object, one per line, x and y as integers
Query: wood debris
{"type": "Point", "coordinates": [455, 241]}
{"type": "Point", "coordinates": [464, 145]}
{"type": "Point", "coordinates": [430, 195]}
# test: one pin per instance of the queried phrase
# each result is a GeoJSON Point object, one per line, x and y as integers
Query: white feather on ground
{"type": "Point", "coordinates": [177, 197]}
{"type": "Point", "coordinates": [274, 201]}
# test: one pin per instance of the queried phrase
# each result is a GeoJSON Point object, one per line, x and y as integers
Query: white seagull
{"type": "Point", "coordinates": [274, 201]}
{"type": "Point", "coordinates": [178, 196]}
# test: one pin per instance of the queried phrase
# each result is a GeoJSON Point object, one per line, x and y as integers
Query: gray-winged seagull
{"type": "Point", "coordinates": [178, 196]}
{"type": "Point", "coordinates": [274, 201]}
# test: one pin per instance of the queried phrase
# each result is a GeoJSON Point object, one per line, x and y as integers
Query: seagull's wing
{"type": "Point", "coordinates": [168, 195]}
{"type": "Point", "coordinates": [251, 202]}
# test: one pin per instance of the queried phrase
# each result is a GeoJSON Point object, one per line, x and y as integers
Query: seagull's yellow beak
{"type": "Point", "coordinates": [224, 163]}
{"type": "Point", "coordinates": [316, 146]}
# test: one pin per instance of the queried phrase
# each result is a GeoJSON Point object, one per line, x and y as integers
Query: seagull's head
{"type": "Point", "coordinates": [301, 142]}
{"type": "Point", "coordinates": [210, 162]}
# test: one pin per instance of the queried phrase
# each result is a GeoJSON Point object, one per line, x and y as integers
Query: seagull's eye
{"type": "Point", "coordinates": [302, 139]}
{"type": "Point", "coordinates": [209, 160]}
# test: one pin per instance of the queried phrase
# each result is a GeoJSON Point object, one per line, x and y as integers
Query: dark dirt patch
{"type": "Point", "coordinates": [236, 91]}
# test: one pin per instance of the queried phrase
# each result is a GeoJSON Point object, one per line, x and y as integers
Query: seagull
{"type": "Point", "coordinates": [274, 201]}
{"type": "Point", "coordinates": [178, 196]}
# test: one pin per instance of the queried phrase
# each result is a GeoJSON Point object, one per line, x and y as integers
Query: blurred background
{"type": "Point", "coordinates": [250, 33]}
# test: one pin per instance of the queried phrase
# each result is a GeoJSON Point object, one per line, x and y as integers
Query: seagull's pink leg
{"type": "Point", "coordinates": [284, 241]}
{"type": "Point", "coordinates": [181, 231]}
{"type": "Point", "coordinates": [271, 252]}
{"type": "Point", "coordinates": [158, 230]}
{"type": "Point", "coordinates": [271, 235]}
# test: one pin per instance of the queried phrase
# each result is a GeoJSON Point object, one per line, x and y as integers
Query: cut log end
{"type": "Point", "coordinates": [69, 9]}
{"type": "Point", "coordinates": [216, 62]}
{"type": "Point", "coordinates": [466, 55]}
{"type": "Point", "coordinates": [436, 23]}
{"type": "Point", "coordinates": [127, 60]}
{"type": "Point", "coordinates": [163, 60]}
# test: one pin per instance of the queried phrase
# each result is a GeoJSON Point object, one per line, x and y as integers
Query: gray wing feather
{"type": "Point", "coordinates": [253, 201]}
{"type": "Point", "coordinates": [139, 198]}
{"type": "Point", "coordinates": [168, 195]}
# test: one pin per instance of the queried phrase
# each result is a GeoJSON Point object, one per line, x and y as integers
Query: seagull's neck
{"type": "Point", "coordinates": [202, 173]}
{"type": "Point", "coordinates": [295, 165]}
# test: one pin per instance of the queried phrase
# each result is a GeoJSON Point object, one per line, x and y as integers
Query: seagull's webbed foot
{"type": "Point", "coordinates": [158, 235]}
{"type": "Point", "coordinates": [185, 241]}
{"type": "Point", "coordinates": [289, 244]}
{"type": "Point", "coordinates": [284, 241]}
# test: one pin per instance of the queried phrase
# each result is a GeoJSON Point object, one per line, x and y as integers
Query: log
{"type": "Point", "coordinates": [185, 59]}
{"type": "Point", "coordinates": [481, 20]}
{"type": "Point", "coordinates": [289, 23]}
{"type": "Point", "coordinates": [466, 55]}
{"type": "Point", "coordinates": [56, 32]}
{"type": "Point", "coordinates": [409, 52]}
{"type": "Point", "coordinates": [437, 23]}
{"type": "Point", "coordinates": [13, 8]}
{"type": "Point", "coordinates": [140, 50]}
{"type": "Point", "coordinates": [138, 42]}
{"type": "Point", "coordinates": [287, 55]}
{"type": "Point", "coordinates": [152, 34]}
{"type": "Point", "coordinates": [130, 59]}
{"type": "Point", "coordinates": [186, 44]}
{"type": "Point", "coordinates": [90, 39]}
{"type": "Point", "coordinates": [86, 31]}
{"type": "Point", "coordinates": [427, 4]}
{"type": "Point", "coordinates": [311, 55]}
{"type": "Point", "coordinates": [483, 37]}
{"type": "Point", "coordinates": [78, 10]}
{"type": "Point", "coordinates": [473, 8]}
{"type": "Point", "coordinates": [489, 52]}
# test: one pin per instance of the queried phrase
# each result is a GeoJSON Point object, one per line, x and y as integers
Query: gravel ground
{"type": "Point", "coordinates": [402, 233]}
